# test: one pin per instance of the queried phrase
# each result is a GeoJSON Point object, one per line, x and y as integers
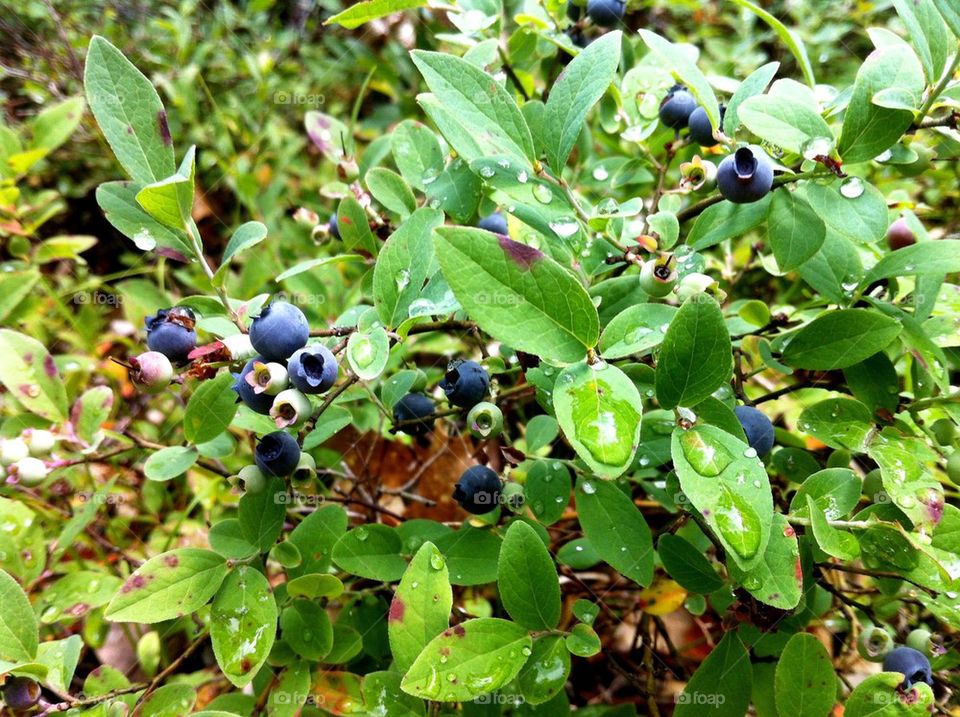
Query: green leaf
{"type": "Point", "coordinates": [861, 219]}
{"type": "Point", "coordinates": [368, 352]}
{"type": "Point", "coordinates": [61, 658]}
{"type": "Point", "coordinates": [30, 375]}
{"type": "Point", "coordinates": [928, 35]}
{"type": "Point", "coordinates": [835, 270]}
{"type": "Point", "coordinates": [878, 696]}
{"type": "Point", "coordinates": [677, 61]}
{"type": "Point", "coordinates": [129, 112]}
{"type": "Point", "coordinates": [54, 125]}
{"type": "Point", "coordinates": [371, 551]}
{"type": "Point", "coordinates": [835, 491]}
{"type": "Point", "coordinates": [785, 122]}
{"type": "Point", "coordinates": [354, 227]}
{"type": "Point", "coordinates": [794, 230]}
{"type": "Point", "coordinates": [482, 655]}
{"type": "Point", "coordinates": [169, 701]}
{"type": "Point", "coordinates": [170, 200]}
{"type": "Point", "coordinates": [687, 565]}
{"type": "Point", "coordinates": [363, 12]}
{"type": "Point", "coordinates": [637, 329]}
{"type": "Point", "coordinates": [579, 87]}
{"type": "Point", "coordinates": [755, 84]}
{"type": "Point", "coordinates": [227, 538]}
{"type": "Point", "coordinates": [616, 529]}
{"type": "Point", "coordinates": [950, 13]}
{"type": "Point", "coordinates": [787, 37]}
{"type": "Point", "coordinates": [63, 247]}
{"type": "Point", "coordinates": [583, 641]}
{"type": "Point", "coordinates": [599, 410]}
{"type": "Point", "coordinates": [776, 579]}
{"type": "Point", "coordinates": [19, 634]}
{"type": "Point", "coordinates": [170, 462]}
{"type": "Point", "coordinates": [471, 555]}
{"type": "Point", "coordinates": [527, 579]}
{"type": "Point", "coordinates": [838, 422]}
{"type": "Point", "coordinates": [330, 422]}
{"type": "Point", "coordinates": [305, 627]}
{"type": "Point", "coordinates": [546, 671]}
{"type": "Point", "coordinates": [315, 585]}
{"type": "Point", "coordinates": [309, 264]}
{"type": "Point", "coordinates": [246, 236]}
{"type": "Point", "coordinates": [805, 684]}
{"type": "Point", "coordinates": [541, 432]}
{"type": "Point", "coordinates": [388, 188]}
{"type": "Point", "coordinates": [929, 257]}
{"type": "Point", "coordinates": [696, 357]}
{"type": "Point", "coordinates": [382, 696]}
{"type": "Point", "coordinates": [421, 606]}
{"type": "Point", "coordinates": [480, 107]}
{"type": "Point", "coordinates": [416, 153]}
{"type": "Point", "coordinates": [456, 191]}
{"type": "Point", "coordinates": [547, 490]}
{"type": "Point", "coordinates": [243, 624]}
{"type": "Point", "coordinates": [869, 129]}
{"type": "Point", "coordinates": [832, 541]}
{"type": "Point", "coordinates": [403, 266]}
{"type": "Point", "coordinates": [168, 586]}
{"type": "Point", "coordinates": [724, 479]}
{"type": "Point", "coordinates": [261, 514]}
{"type": "Point", "coordinates": [726, 220]}
{"type": "Point", "coordinates": [118, 200]}
{"type": "Point", "coordinates": [907, 469]}
{"type": "Point", "coordinates": [315, 538]}
{"type": "Point", "coordinates": [210, 410]}
{"type": "Point", "coordinates": [721, 685]}
{"type": "Point", "coordinates": [517, 294]}
{"type": "Point", "coordinates": [837, 339]}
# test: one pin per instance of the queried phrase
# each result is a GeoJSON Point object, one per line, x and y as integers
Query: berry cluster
{"type": "Point", "coordinates": [742, 177]}
{"type": "Point", "coordinates": [912, 660]}
{"type": "Point", "coordinates": [282, 370]}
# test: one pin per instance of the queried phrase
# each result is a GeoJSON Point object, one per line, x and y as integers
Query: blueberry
{"type": "Point", "coordinates": [312, 369]}
{"type": "Point", "coordinates": [758, 428]}
{"type": "Point", "coordinates": [899, 235]}
{"type": "Point", "coordinates": [411, 407]}
{"type": "Point", "coordinates": [912, 664]}
{"type": "Point", "coordinates": [478, 490]}
{"type": "Point", "coordinates": [152, 371]}
{"type": "Point", "coordinates": [20, 693]}
{"type": "Point", "coordinates": [277, 454]}
{"type": "Point", "coordinates": [170, 332]}
{"type": "Point", "coordinates": [279, 330]}
{"type": "Point", "coordinates": [574, 11]}
{"type": "Point", "coordinates": [745, 176]}
{"type": "Point", "coordinates": [676, 107]}
{"type": "Point", "coordinates": [606, 13]}
{"type": "Point", "coordinates": [259, 402]}
{"type": "Point", "coordinates": [701, 131]}
{"type": "Point", "coordinates": [466, 383]}
{"type": "Point", "coordinates": [496, 223]}
{"type": "Point", "coordinates": [332, 227]}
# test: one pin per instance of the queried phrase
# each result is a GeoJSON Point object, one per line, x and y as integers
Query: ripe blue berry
{"type": "Point", "coordinates": [312, 369]}
{"type": "Point", "coordinates": [745, 176]}
{"type": "Point", "coordinates": [277, 454]}
{"type": "Point", "coordinates": [912, 664]}
{"type": "Point", "coordinates": [279, 330]}
{"type": "Point", "coordinates": [411, 407]}
{"type": "Point", "coordinates": [332, 227]}
{"type": "Point", "coordinates": [496, 223]}
{"type": "Point", "coordinates": [20, 693]}
{"type": "Point", "coordinates": [259, 402]}
{"type": "Point", "coordinates": [758, 428]}
{"type": "Point", "coordinates": [170, 332]}
{"type": "Point", "coordinates": [606, 13]}
{"type": "Point", "coordinates": [574, 11]}
{"type": "Point", "coordinates": [676, 107]}
{"type": "Point", "coordinates": [701, 131]}
{"type": "Point", "coordinates": [466, 383]}
{"type": "Point", "coordinates": [478, 490]}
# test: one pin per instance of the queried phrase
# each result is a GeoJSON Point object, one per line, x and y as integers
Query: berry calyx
{"type": "Point", "coordinates": [313, 369]}
{"type": "Point", "coordinates": [745, 176]}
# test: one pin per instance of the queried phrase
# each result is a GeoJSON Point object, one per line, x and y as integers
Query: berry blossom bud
{"type": "Point", "coordinates": [152, 371]}
{"type": "Point", "coordinates": [290, 408]}
{"type": "Point", "coordinates": [239, 347]}
{"type": "Point", "coordinates": [39, 441]}
{"type": "Point", "coordinates": [269, 378]}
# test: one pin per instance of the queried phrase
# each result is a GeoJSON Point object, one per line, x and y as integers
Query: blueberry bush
{"type": "Point", "coordinates": [594, 357]}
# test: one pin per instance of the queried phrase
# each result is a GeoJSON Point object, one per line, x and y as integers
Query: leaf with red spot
{"type": "Point", "coordinates": [30, 375]}
{"type": "Point", "coordinates": [168, 586]}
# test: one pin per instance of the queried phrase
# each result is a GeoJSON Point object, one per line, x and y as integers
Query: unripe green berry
{"type": "Point", "coordinates": [872, 484]}
{"type": "Point", "coordinates": [250, 479]}
{"type": "Point", "coordinates": [953, 467]}
{"type": "Point", "coordinates": [874, 643]}
{"type": "Point", "coordinates": [13, 450]}
{"type": "Point", "coordinates": [658, 277]}
{"type": "Point", "coordinates": [944, 431]}
{"type": "Point", "coordinates": [31, 471]}
{"type": "Point", "coordinates": [513, 496]}
{"type": "Point", "coordinates": [923, 641]}
{"type": "Point", "coordinates": [305, 471]}
{"type": "Point", "coordinates": [39, 441]}
{"type": "Point", "coordinates": [485, 420]}
{"type": "Point", "coordinates": [290, 408]}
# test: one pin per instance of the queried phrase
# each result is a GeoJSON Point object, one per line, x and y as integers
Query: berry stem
{"type": "Point", "coordinates": [198, 250]}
